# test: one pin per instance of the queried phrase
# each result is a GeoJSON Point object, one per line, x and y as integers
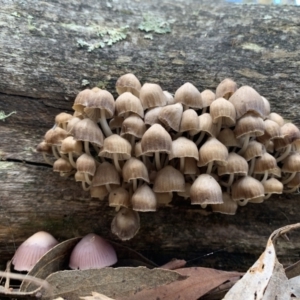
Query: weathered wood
{"type": "Point", "coordinates": [42, 69]}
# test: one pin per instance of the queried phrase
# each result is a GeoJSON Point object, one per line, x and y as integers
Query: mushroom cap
{"type": "Point", "coordinates": [133, 126]}
{"type": "Point", "coordinates": [134, 169]}
{"type": "Point", "coordinates": [291, 163]}
{"type": "Point", "coordinates": [206, 190]}
{"type": "Point", "coordinates": [62, 118]}
{"type": "Point", "coordinates": [119, 197]}
{"type": "Point", "coordinates": [254, 149]}
{"type": "Point", "coordinates": [290, 134]}
{"type": "Point", "coordinates": [115, 144]}
{"type": "Point", "coordinates": [151, 95]}
{"type": "Point", "coordinates": [183, 147]}
{"type": "Point", "coordinates": [55, 136]}
{"type": "Point", "coordinates": [128, 103]}
{"type": "Point", "coordinates": [99, 192]}
{"type": "Point", "coordinates": [208, 97]}
{"type": "Point", "coordinates": [168, 179]}
{"type": "Point", "coordinates": [170, 98]}
{"type": "Point", "coordinates": [236, 164]}
{"type": "Point", "coordinates": [151, 116]}
{"type": "Point", "coordinates": [206, 124]}
{"type": "Point", "coordinates": [100, 100]}
{"type": "Point", "coordinates": [267, 107]}
{"type": "Point", "coordinates": [156, 139]}
{"type": "Point", "coordinates": [72, 122]}
{"type": "Point", "coordinates": [249, 124]}
{"type": "Point", "coordinates": [116, 123]}
{"type": "Point", "coordinates": [82, 99]}
{"type": "Point", "coordinates": [128, 83]}
{"type": "Point", "coordinates": [92, 252]}
{"type": "Point", "coordinates": [88, 131]}
{"type": "Point", "coordinates": [189, 96]}
{"type": "Point", "coordinates": [144, 199]}
{"type": "Point", "coordinates": [69, 145]}
{"type": "Point", "coordinates": [222, 108]}
{"type": "Point", "coordinates": [86, 164]}
{"type": "Point", "coordinates": [189, 121]}
{"type": "Point", "coordinates": [212, 150]}
{"type": "Point", "coordinates": [125, 224]}
{"type": "Point", "coordinates": [245, 100]}
{"type": "Point", "coordinates": [170, 115]}
{"type": "Point", "coordinates": [247, 188]}
{"type": "Point", "coordinates": [62, 165]}
{"type": "Point", "coordinates": [226, 88]}
{"type": "Point", "coordinates": [106, 173]}
{"type": "Point", "coordinates": [264, 163]}
{"type": "Point", "coordinates": [227, 138]}
{"type": "Point", "coordinates": [31, 250]}
{"type": "Point", "coordinates": [44, 147]}
{"type": "Point", "coordinates": [276, 118]}
{"type": "Point", "coordinates": [229, 207]}
{"type": "Point", "coordinates": [272, 131]}
{"type": "Point", "coordinates": [273, 186]}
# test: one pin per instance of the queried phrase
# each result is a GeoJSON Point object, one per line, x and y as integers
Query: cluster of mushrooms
{"type": "Point", "coordinates": [221, 149]}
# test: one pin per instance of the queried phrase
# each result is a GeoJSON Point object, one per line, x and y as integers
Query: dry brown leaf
{"type": "Point", "coordinates": [199, 282]}
{"type": "Point", "coordinates": [255, 282]}
{"type": "Point", "coordinates": [50, 262]}
{"type": "Point", "coordinates": [174, 264]}
{"type": "Point", "coordinates": [108, 281]}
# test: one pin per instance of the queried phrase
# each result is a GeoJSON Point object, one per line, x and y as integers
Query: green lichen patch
{"type": "Point", "coordinates": [3, 116]}
{"type": "Point", "coordinates": [153, 23]}
{"type": "Point", "coordinates": [107, 37]}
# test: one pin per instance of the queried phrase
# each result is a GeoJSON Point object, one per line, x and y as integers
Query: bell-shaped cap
{"type": "Point", "coordinates": [125, 224]}
{"type": "Point", "coordinates": [119, 197]}
{"type": "Point", "coordinates": [144, 199]}
{"type": "Point", "coordinates": [134, 169]}
{"type": "Point", "coordinates": [226, 88]}
{"type": "Point", "coordinates": [30, 251]}
{"type": "Point", "coordinates": [127, 103]}
{"type": "Point", "coordinates": [115, 144]}
{"type": "Point", "coordinates": [128, 83]}
{"type": "Point", "coordinates": [92, 252]}
{"type": "Point", "coordinates": [151, 95]}
{"type": "Point", "coordinates": [206, 190]}
{"type": "Point", "coordinates": [189, 96]}
{"type": "Point", "coordinates": [170, 116]}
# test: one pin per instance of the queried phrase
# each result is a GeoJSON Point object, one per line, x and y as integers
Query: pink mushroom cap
{"type": "Point", "coordinates": [92, 252]}
{"type": "Point", "coordinates": [31, 250]}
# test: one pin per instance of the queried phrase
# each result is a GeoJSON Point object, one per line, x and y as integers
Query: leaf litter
{"type": "Point", "coordinates": [266, 279]}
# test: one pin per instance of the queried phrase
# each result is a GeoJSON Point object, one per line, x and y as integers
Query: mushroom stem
{"type": "Point", "coordinates": [46, 159]}
{"type": "Point", "coordinates": [219, 125]}
{"type": "Point", "coordinates": [182, 161]}
{"type": "Point", "coordinates": [87, 148]}
{"type": "Point", "coordinates": [104, 125]}
{"type": "Point", "coordinates": [55, 152]}
{"type": "Point", "coordinates": [157, 161]}
{"type": "Point", "coordinates": [265, 177]}
{"type": "Point", "coordinates": [245, 145]}
{"type": "Point", "coordinates": [285, 153]}
{"type": "Point", "coordinates": [108, 187]}
{"type": "Point", "coordinates": [291, 190]}
{"type": "Point", "coordinates": [116, 163]}
{"type": "Point", "coordinates": [288, 179]}
{"type": "Point", "coordinates": [230, 181]}
{"type": "Point", "coordinates": [209, 167]}
{"type": "Point", "coordinates": [267, 196]}
{"type": "Point", "coordinates": [84, 187]}
{"type": "Point", "coordinates": [251, 168]}
{"type": "Point", "coordinates": [134, 184]}
{"type": "Point", "coordinates": [71, 160]}
{"type": "Point", "coordinates": [87, 179]}
{"type": "Point", "coordinates": [200, 138]}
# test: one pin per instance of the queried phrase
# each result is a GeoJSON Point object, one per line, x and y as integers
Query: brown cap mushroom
{"type": "Point", "coordinates": [189, 96]}
{"type": "Point", "coordinates": [151, 95]}
{"type": "Point", "coordinates": [226, 88]}
{"type": "Point", "coordinates": [128, 83]}
{"type": "Point", "coordinates": [125, 224]}
{"type": "Point", "coordinates": [144, 199]}
{"type": "Point", "coordinates": [206, 190]}
{"type": "Point", "coordinates": [127, 103]}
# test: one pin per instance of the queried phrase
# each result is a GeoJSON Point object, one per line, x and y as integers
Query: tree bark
{"type": "Point", "coordinates": [47, 58]}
